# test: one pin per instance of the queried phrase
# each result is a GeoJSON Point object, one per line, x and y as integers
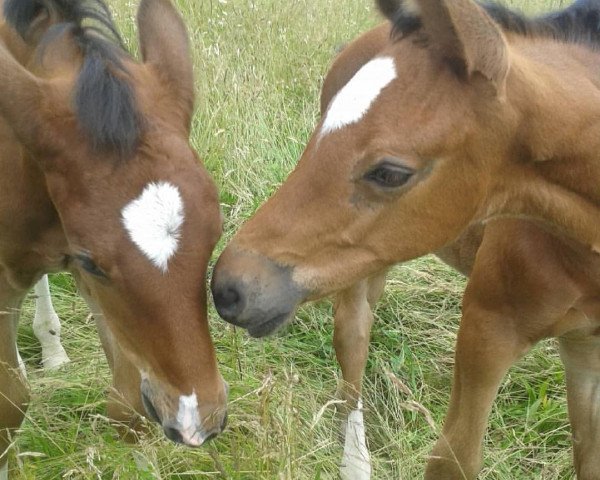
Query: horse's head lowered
{"type": "Point", "coordinates": [453, 119]}
{"type": "Point", "coordinates": [139, 213]}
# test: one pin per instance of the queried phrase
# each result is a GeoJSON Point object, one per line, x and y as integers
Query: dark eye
{"type": "Point", "coordinates": [389, 175]}
{"type": "Point", "coordinates": [89, 266]}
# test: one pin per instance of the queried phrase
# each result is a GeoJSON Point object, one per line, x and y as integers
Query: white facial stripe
{"type": "Point", "coordinates": [153, 221]}
{"type": "Point", "coordinates": [189, 420]}
{"type": "Point", "coordinates": [353, 101]}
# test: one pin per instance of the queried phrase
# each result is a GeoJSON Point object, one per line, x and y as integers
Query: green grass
{"type": "Point", "coordinates": [259, 65]}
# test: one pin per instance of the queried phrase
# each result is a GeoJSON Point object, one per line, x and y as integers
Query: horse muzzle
{"type": "Point", "coordinates": [253, 292]}
{"type": "Point", "coordinates": [181, 417]}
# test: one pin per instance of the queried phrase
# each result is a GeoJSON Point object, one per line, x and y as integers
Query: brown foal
{"type": "Point", "coordinates": [98, 179]}
{"type": "Point", "coordinates": [467, 130]}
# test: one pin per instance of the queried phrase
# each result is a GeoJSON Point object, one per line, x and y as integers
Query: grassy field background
{"type": "Point", "coordinates": [259, 65]}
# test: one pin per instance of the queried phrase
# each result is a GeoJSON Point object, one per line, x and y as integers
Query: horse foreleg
{"type": "Point", "coordinates": [46, 327]}
{"type": "Point", "coordinates": [14, 395]}
{"type": "Point", "coordinates": [21, 365]}
{"type": "Point", "coordinates": [488, 344]}
{"type": "Point", "coordinates": [580, 353]}
{"type": "Point", "coordinates": [352, 329]}
{"type": "Point", "coordinates": [124, 404]}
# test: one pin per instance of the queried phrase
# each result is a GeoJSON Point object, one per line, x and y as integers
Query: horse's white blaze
{"type": "Point", "coordinates": [353, 101]}
{"type": "Point", "coordinates": [356, 463]}
{"type": "Point", "coordinates": [188, 419]}
{"type": "Point", "coordinates": [46, 327]}
{"type": "Point", "coordinates": [153, 221]}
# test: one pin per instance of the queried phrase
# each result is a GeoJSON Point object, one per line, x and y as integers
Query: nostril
{"type": "Point", "coordinates": [230, 297]}
{"type": "Point", "coordinates": [224, 422]}
{"type": "Point", "coordinates": [173, 434]}
{"type": "Point", "coordinates": [228, 301]}
{"type": "Point", "coordinates": [152, 413]}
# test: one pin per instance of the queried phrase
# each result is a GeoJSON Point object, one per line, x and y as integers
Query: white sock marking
{"type": "Point", "coordinates": [46, 327]}
{"type": "Point", "coordinates": [356, 463]}
{"type": "Point", "coordinates": [353, 101]}
{"type": "Point", "coordinates": [153, 221]}
{"type": "Point", "coordinates": [4, 471]}
{"type": "Point", "coordinates": [21, 365]}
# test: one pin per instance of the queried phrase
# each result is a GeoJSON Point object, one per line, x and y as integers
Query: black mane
{"type": "Point", "coordinates": [104, 100]}
{"type": "Point", "coordinates": [578, 23]}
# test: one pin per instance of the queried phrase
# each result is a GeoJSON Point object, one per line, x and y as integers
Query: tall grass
{"type": "Point", "coordinates": [259, 65]}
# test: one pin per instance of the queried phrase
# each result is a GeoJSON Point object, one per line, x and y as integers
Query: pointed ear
{"type": "Point", "coordinates": [165, 45]}
{"type": "Point", "coordinates": [460, 32]}
{"type": "Point", "coordinates": [23, 101]}
{"type": "Point", "coordinates": [465, 35]}
{"type": "Point", "coordinates": [399, 10]}
{"type": "Point", "coordinates": [32, 18]}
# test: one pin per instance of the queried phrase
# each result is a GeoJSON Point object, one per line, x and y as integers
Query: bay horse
{"type": "Point", "coordinates": [98, 179]}
{"type": "Point", "coordinates": [467, 130]}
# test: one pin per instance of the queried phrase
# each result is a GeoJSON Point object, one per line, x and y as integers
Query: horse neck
{"type": "Point", "coordinates": [556, 178]}
{"type": "Point", "coordinates": [33, 241]}
{"type": "Point", "coordinates": [24, 200]}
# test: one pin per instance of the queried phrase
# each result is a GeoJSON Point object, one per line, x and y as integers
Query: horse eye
{"type": "Point", "coordinates": [89, 266]}
{"type": "Point", "coordinates": [389, 175]}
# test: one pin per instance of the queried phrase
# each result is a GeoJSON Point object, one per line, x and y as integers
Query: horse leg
{"type": "Point", "coordinates": [46, 327]}
{"type": "Point", "coordinates": [487, 346]}
{"type": "Point", "coordinates": [352, 329]}
{"type": "Point", "coordinates": [580, 353]}
{"type": "Point", "coordinates": [21, 365]}
{"type": "Point", "coordinates": [14, 395]}
{"type": "Point", "coordinates": [124, 403]}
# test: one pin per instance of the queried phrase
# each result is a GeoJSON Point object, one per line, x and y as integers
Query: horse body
{"type": "Point", "coordinates": [98, 179]}
{"type": "Point", "coordinates": [483, 147]}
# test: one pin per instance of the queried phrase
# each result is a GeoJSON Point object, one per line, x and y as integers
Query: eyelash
{"type": "Point", "coordinates": [388, 175]}
{"type": "Point", "coordinates": [89, 266]}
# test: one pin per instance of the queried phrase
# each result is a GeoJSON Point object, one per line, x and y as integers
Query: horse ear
{"type": "Point", "coordinates": [461, 32]}
{"type": "Point", "coordinates": [396, 10]}
{"type": "Point", "coordinates": [164, 44]}
{"type": "Point", "coordinates": [30, 19]}
{"type": "Point", "coordinates": [466, 36]}
{"type": "Point", "coordinates": [22, 102]}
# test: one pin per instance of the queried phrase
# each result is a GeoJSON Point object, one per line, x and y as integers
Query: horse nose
{"type": "Point", "coordinates": [195, 438]}
{"type": "Point", "coordinates": [173, 434]}
{"type": "Point", "coordinates": [229, 300]}
{"type": "Point", "coordinates": [150, 410]}
{"type": "Point", "coordinates": [224, 422]}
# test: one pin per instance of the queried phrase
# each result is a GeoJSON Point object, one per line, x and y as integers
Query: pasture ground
{"type": "Point", "coordinates": [259, 65]}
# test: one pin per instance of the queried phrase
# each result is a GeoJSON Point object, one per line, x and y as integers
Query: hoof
{"type": "Point", "coordinates": [56, 359]}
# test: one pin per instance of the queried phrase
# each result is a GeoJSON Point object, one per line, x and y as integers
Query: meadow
{"type": "Point", "coordinates": [259, 66]}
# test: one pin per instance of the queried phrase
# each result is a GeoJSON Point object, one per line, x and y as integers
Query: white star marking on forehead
{"type": "Point", "coordinates": [153, 221]}
{"type": "Point", "coordinates": [353, 101]}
